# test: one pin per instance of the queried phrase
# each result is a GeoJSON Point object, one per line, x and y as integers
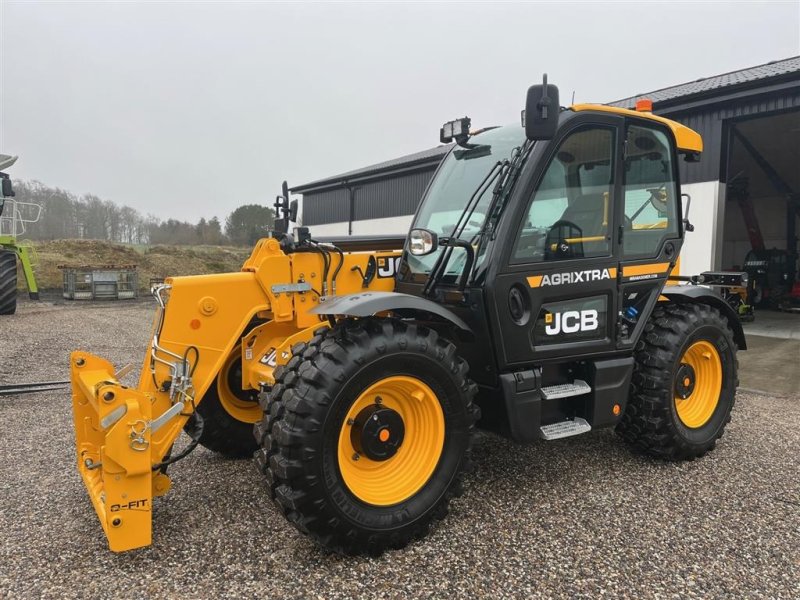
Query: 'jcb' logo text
{"type": "Point", "coordinates": [388, 266]}
{"type": "Point", "coordinates": [571, 321]}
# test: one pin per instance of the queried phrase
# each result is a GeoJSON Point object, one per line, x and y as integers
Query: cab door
{"type": "Point", "coordinates": [651, 226]}
{"type": "Point", "coordinates": [556, 294]}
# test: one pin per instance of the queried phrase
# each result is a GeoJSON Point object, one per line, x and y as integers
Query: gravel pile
{"type": "Point", "coordinates": [582, 517]}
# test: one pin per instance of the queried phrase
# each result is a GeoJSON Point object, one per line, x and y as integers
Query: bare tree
{"type": "Point", "coordinates": [65, 215]}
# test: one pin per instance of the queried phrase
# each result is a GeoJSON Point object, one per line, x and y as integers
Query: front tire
{"type": "Point", "coordinates": [367, 434]}
{"type": "Point", "coordinates": [684, 383]}
{"type": "Point", "coordinates": [8, 283]}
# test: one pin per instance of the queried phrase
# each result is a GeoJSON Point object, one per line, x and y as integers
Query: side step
{"type": "Point", "coordinates": [562, 429]}
{"type": "Point", "coordinates": [565, 390]}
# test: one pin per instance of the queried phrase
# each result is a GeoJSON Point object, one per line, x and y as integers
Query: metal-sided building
{"type": "Point", "coordinates": [745, 187]}
{"type": "Point", "coordinates": [380, 199]}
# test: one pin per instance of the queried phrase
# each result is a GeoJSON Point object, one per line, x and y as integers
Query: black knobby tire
{"type": "Point", "coordinates": [223, 432]}
{"type": "Point", "coordinates": [8, 282]}
{"type": "Point", "coordinates": [304, 412]}
{"type": "Point", "coordinates": [651, 422]}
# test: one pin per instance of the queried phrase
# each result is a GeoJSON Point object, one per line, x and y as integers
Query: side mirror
{"type": "Point", "coordinates": [282, 210]}
{"type": "Point", "coordinates": [8, 189]}
{"type": "Point", "coordinates": [422, 242]}
{"type": "Point", "coordinates": [285, 190]}
{"type": "Point", "coordinates": [293, 211]}
{"type": "Point", "coordinates": [541, 112]}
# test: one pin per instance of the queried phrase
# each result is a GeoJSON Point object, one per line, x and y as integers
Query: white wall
{"type": "Point", "coordinates": [328, 229]}
{"type": "Point", "coordinates": [699, 248]}
{"type": "Point", "coordinates": [387, 226]}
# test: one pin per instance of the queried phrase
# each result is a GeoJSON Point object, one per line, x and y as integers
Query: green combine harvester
{"type": "Point", "coordinates": [13, 218]}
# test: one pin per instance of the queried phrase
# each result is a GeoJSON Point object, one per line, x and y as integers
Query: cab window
{"type": "Point", "coordinates": [569, 215]}
{"type": "Point", "coordinates": [651, 203]}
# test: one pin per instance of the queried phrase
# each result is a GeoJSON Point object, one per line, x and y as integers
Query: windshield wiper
{"type": "Point", "coordinates": [440, 266]}
{"type": "Point", "coordinates": [504, 175]}
{"type": "Point", "coordinates": [503, 189]}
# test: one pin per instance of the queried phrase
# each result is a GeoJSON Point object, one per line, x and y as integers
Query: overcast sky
{"type": "Point", "coordinates": [191, 109]}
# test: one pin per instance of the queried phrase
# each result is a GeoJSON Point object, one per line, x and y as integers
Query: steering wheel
{"type": "Point", "coordinates": [556, 238]}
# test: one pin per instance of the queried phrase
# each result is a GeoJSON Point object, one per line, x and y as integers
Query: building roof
{"type": "Point", "coordinates": [788, 68]}
{"type": "Point", "coordinates": [431, 156]}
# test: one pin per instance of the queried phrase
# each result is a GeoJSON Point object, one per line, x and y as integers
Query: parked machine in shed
{"type": "Point", "coordinates": [533, 283]}
{"type": "Point", "coordinates": [14, 216]}
{"type": "Point", "coordinates": [771, 272]}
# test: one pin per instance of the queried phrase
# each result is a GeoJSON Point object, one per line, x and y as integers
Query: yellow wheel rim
{"type": "Point", "coordinates": [239, 408]}
{"type": "Point", "coordinates": [696, 409]}
{"type": "Point", "coordinates": [393, 480]}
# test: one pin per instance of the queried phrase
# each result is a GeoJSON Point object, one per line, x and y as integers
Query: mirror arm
{"type": "Point", "coordinates": [686, 224]}
{"type": "Point", "coordinates": [453, 242]}
{"type": "Point", "coordinates": [544, 102]}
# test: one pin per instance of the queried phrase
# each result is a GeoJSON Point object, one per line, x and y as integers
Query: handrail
{"type": "Point", "coordinates": [16, 215]}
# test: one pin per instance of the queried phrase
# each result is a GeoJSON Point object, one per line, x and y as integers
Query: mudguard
{"type": "Point", "coordinates": [368, 303]}
{"type": "Point", "coordinates": [695, 293]}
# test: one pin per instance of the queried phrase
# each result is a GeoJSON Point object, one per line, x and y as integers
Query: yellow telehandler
{"type": "Point", "coordinates": [535, 295]}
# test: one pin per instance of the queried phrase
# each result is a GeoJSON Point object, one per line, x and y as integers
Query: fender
{"type": "Point", "coordinates": [367, 304]}
{"type": "Point", "coordinates": [694, 293]}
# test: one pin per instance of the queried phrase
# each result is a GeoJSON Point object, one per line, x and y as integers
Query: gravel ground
{"type": "Point", "coordinates": [573, 518]}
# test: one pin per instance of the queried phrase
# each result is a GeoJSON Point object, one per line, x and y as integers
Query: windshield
{"type": "Point", "coordinates": [458, 178]}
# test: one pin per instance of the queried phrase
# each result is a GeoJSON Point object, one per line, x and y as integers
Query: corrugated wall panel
{"type": "Point", "coordinates": [377, 199]}
{"type": "Point", "coordinates": [331, 206]}
{"type": "Point", "coordinates": [391, 197]}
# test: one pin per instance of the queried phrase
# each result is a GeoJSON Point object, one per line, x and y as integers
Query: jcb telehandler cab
{"type": "Point", "coordinates": [534, 284]}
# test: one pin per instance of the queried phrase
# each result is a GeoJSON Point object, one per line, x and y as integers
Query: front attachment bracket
{"type": "Point", "coordinates": [113, 429]}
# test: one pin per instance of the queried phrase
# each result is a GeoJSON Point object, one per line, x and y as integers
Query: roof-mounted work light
{"type": "Point", "coordinates": [457, 130]}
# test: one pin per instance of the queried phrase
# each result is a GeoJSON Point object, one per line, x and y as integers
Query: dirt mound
{"type": "Point", "coordinates": [151, 262]}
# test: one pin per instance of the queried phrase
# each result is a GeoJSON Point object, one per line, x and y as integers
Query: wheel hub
{"type": "Point", "coordinates": [698, 384]}
{"type": "Point", "coordinates": [241, 404]}
{"type": "Point", "coordinates": [378, 472]}
{"type": "Point", "coordinates": [377, 432]}
{"type": "Point", "coordinates": [235, 383]}
{"type": "Point", "coordinates": [685, 380]}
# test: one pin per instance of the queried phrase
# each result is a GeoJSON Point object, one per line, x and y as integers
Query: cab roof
{"type": "Point", "coordinates": [686, 139]}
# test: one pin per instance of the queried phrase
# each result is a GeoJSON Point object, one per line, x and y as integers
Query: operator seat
{"type": "Point", "coordinates": [589, 213]}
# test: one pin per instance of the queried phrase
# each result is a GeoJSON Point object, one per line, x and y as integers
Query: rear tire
{"type": "Point", "coordinates": [365, 503]}
{"type": "Point", "coordinates": [8, 282]}
{"type": "Point", "coordinates": [226, 409]}
{"type": "Point", "coordinates": [684, 383]}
